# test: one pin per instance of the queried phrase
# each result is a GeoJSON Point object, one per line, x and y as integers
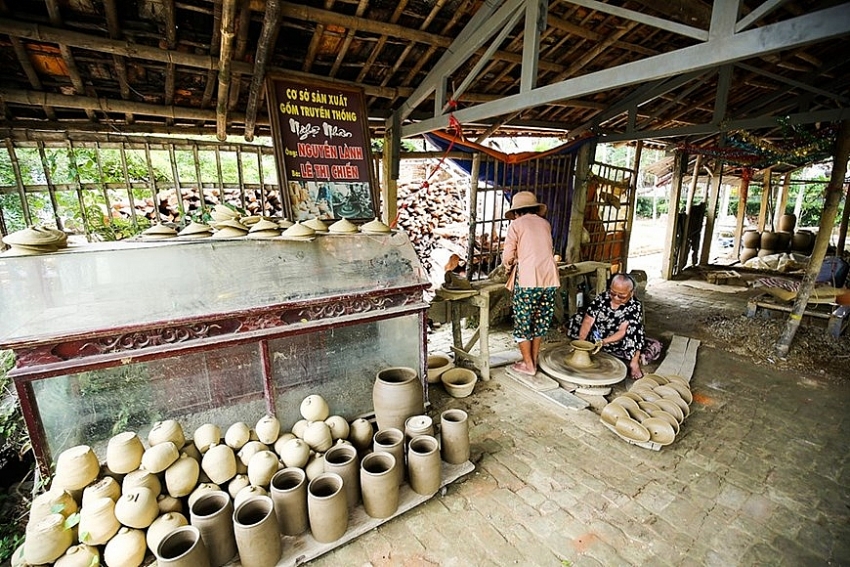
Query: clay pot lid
{"type": "Point", "coordinates": [158, 232]}
{"type": "Point", "coordinates": [672, 408]}
{"type": "Point", "coordinates": [196, 228]}
{"type": "Point", "coordinates": [660, 431]}
{"type": "Point", "coordinates": [645, 382]}
{"type": "Point", "coordinates": [250, 220]}
{"type": "Point", "coordinates": [61, 237]}
{"type": "Point", "coordinates": [232, 223]}
{"type": "Point", "coordinates": [263, 234]}
{"type": "Point", "coordinates": [684, 391]}
{"type": "Point", "coordinates": [375, 227]}
{"type": "Point", "coordinates": [229, 232]}
{"type": "Point", "coordinates": [21, 250]}
{"type": "Point", "coordinates": [285, 223]}
{"type": "Point", "coordinates": [612, 412]}
{"type": "Point", "coordinates": [628, 403]}
{"type": "Point", "coordinates": [222, 212]}
{"type": "Point", "coordinates": [342, 226]}
{"type": "Point", "coordinates": [34, 237]}
{"type": "Point", "coordinates": [317, 225]}
{"type": "Point", "coordinates": [631, 429]}
{"type": "Point", "coordinates": [298, 231]}
{"type": "Point", "coordinates": [668, 417]}
{"type": "Point", "coordinates": [263, 225]}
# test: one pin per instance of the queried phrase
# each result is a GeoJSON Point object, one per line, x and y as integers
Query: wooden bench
{"type": "Point", "coordinates": [837, 316]}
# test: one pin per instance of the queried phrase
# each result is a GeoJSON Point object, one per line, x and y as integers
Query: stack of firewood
{"type": "Point", "coordinates": [169, 204]}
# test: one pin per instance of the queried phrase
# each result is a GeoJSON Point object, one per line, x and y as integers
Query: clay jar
{"type": "Point", "coordinates": [423, 465]}
{"type": "Point", "coordinates": [182, 476]}
{"type": "Point", "coordinates": [396, 395]}
{"type": "Point", "coordinates": [289, 494]}
{"type": "Point", "coordinates": [360, 433]}
{"type": "Point", "coordinates": [76, 468]}
{"type": "Point", "coordinates": [416, 425]}
{"type": "Point", "coordinates": [327, 507]}
{"type": "Point", "coordinates": [137, 508]}
{"type": "Point", "coordinates": [262, 467]}
{"type": "Point", "coordinates": [126, 549]}
{"type": "Point", "coordinates": [267, 429]}
{"type": "Point", "coordinates": [343, 460]}
{"type": "Point", "coordinates": [79, 556]}
{"type": "Point", "coordinates": [163, 526]}
{"type": "Point", "coordinates": [454, 436]}
{"type": "Point", "coordinates": [206, 435]}
{"type": "Point", "coordinates": [166, 430]}
{"type": "Point", "coordinates": [47, 540]}
{"type": "Point", "coordinates": [391, 440]}
{"type": "Point", "coordinates": [124, 452]}
{"type": "Point", "coordinates": [182, 547]}
{"type": "Point", "coordinates": [257, 535]}
{"type": "Point", "coordinates": [97, 521]}
{"type": "Point", "coordinates": [379, 484]}
{"type": "Point", "coordinates": [212, 514]}
{"type": "Point", "coordinates": [219, 463]}
{"type": "Point", "coordinates": [580, 357]}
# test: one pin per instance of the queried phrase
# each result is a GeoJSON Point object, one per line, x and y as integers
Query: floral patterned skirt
{"type": "Point", "coordinates": [533, 310]}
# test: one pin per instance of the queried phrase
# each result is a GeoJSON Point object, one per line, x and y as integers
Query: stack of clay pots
{"type": "Point", "coordinates": [651, 413]}
{"type": "Point", "coordinates": [784, 239]}
{"type": "Point", "coordinates": [201, 501]}
{"type": "Point", "coordinates": [35, 240]}
{"type": "Point", "coordinates": [750, 241]}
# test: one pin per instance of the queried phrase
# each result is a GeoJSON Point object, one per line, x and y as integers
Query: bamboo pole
{"type": "Point", "coordinates": [845, 217]}
{"type": "Point", "coordinates": [668, 261]}
{"type": "Point", "coordinates": [827, 223]}
{"type": "Point", "coordinates": [225, 57]}
{"type": "Point", "coordinates": [51, 189]}
{"type": "Point", "coordinates": [711, 211]}
{"type": "Point", "coordinates": [265, 45]}
{"type": "Point", "coordinates": [19, 181]}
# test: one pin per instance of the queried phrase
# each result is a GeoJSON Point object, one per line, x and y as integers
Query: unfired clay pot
{"type": "Point", "coordinates": [289, 494]}
{"type": "Point", "coordinates": [391, 440]}
{"type": "Point", "coordinates": [98, 522]}
{"type": "Point", "coordinates": [126, 549]}
{"type": "Point", "coordinates": [124, 452]}
{"type": "Point", "coordinates": [137, 508]}
{"type": "Point", "coordinates": [206, 435]}
{"type": "Point", "coordinates": [47, 540]}
{"type": "Point", "coordinates": [379, 485]}
{"type": "Point", "coordinates": [268, 428]}
{"type": "Point", "coordinates": [212, 514]}
{"type": "Point", "coordinates": [183, 547]}
{"type": "Point", "coordinates": [423, 465]}
{"type": "Point", "coordinates": [219, 463]}
{"type": "Point", "coordinates": [162, 526]}
{"type": "Point", "coordinates": [338, 426]}
{"type": "Point", "coordinates": [166, 430]}
{"type": "Point", "coordinates": [454, 436]}
{"type": "Point", "coordinates": [343, 460]}
{"type": "Point", "coordinates": [182, 476]}
{"type": "Point", "coordinates": [257, 534]}
{"type": "Point", "coordinates": [76, 468]}
{"type": "Point", "coordinates": [81, 555]}
{"type": "Point", "coordinates": [327, 507]}
{"type": "Point", "coordinates": [396, 395]}
{"type": "Point", "coordinates": [360, 433]}
{"type": "Point", "coordinates": [582, 350]}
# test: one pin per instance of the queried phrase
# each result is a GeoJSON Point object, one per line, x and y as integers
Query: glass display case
{"type": "Point", "coordinates": [113, 337]}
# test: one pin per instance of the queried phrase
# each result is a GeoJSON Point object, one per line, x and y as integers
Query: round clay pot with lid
{"type": "Point", "coordinates": [416, 425]}
{"type": "Point", "coordinates": [206, 435]}
{"type": "Point", "coordinates": [219, 463]}
{"type": "Point", "coordinates": [396, 395]}
{"type": "Point", "coordinates": [182, 547]}
{"type": "Point", "coordinates": [268, 429]}
{"type": "Point", "coordinates": [212, 514]}
{"type": "Point", "coordinates": [289, 494]}
{"type": "Point", "coordinates": [257, 534]}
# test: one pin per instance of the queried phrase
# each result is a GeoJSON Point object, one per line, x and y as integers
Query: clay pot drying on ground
{"type": "Point", "coordinates": [396, 395]}
{"type": "Point", "coordinates": [250, 449]}
{"type": "Point", "coordinates": [787, 222]}
{"type": "Point", "coordinates": [360, 433]}
{"type": "Point", "coordinates": [379, 484]}
{"type": "Point", "coordinates": [237, 435]}
{"type": "Point", "coordinates": [454, 436]}
{"type": "Point", "coordinates": [76, 468]}
{"type": "Point", "coordinates": [314, 408]}
{"type": "Point", "coordinates": [295, 453]}
{"type": "Point", "coordinates": [268, 429]}
{"type": "Point", "coordinates": [212, 514]}
{"type": "Point", "coordinates": [161, 527]}
{"type": "Point", "coordinates": [142, 479]}
{"type": "Point", "coordinates": [248, 492]}
{"type": "Point", "coordinates": [81, 555]}
{"type": "Point", "coordinates": [98, 522]}
{"type": "Point", "coordinates": [802, 241]}
{"type": "Point", "coordinates": [339, 427]}
{"type": "Point", "coordinates": [289, 494]}
{"type": "Point", "coordinates": [159, 457]}
{"type": "Point", "coordinates": [437, 364]}
{"type": "Point", "coordinates": [167, 504]}
{"type": "Point", "coordinates": [423, 465]}
{"type": "Point", "coordinates": [124, 452]}
{"type": "Point", "coordinates": [106, 487]}
{"type": "Point", "coordinates": [751, 239]}
{"type": "Point", "coordinates": [318, 436]}
{"type": "Point", "coordinates": [126, 549]}
{"type": "Point", "coordinates": [47, 540]}
{"type": "Point", "coordinates": [257, 534]}
{"type": "Point", "coordinates": [769, 240]}
{"type": "Point", "coordinates": [219, 463]}
{"type": "Point", "coordinates": [206, 435]}
{"type": "Point", "coordinates": [54, 501]}
{"type": "Point", "coordinates": [237, 483]}
{"type": "Point", "coordinates": [418, 425]}
{"type": "Point", "coordinates": [166, 430]}
{"type": "Point", "coordinates": [262, 467]}
{"type": "Point", "coordinates": [137, 508]}
{"type": "Point", "coordinates": [183, 547]}
{"type": "Point", "coordinates": [327, 507]}
{"type": "Point", "coordinates": [343, 460]}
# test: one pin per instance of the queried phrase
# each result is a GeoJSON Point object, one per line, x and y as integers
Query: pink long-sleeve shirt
{"type": "Point", "coordinates": [529, 244]}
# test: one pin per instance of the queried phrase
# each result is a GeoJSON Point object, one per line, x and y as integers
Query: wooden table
{"type": "Point", "coordinates": [837, 316]}
{"type": "Point", "coordinates": [571, 275]}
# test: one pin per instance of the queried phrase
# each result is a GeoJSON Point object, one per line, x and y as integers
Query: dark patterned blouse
{"type": "Point", "coordinates": [606, 322]}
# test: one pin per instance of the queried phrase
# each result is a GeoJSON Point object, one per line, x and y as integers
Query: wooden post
{"type": "Point", "coordinates": [584, 159]}
{"type": "Point", "coordinates": [827, 222]}
{"type": "Point", "coordinates": [668, 261]}
{"type": "Point", "coordinates": [782, 198]}
{"type": "Point", "coordinates": [711, 211]}
{"type": "Point", "coordinates": [845, 217]}
{"type": "Point", "coordinates": [743, 195]}
{"type": "Point", "coordinates": [389, 191]}
{"type": "Point", "coordinates": [689, 202]}
{"type": "Point", "coordinates": [765, 191]}
{"type": "Point", "coordinates": [630, 214]}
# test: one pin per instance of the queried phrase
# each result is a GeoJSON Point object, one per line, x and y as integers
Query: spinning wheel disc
{"type": "Point", "coordinates": [605, 369]}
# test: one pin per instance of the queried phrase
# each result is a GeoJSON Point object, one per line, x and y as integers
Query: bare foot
{"type": "Point", "coordinates": [636, 373]}
{"type": "Point", "coordinates": [523, 368]}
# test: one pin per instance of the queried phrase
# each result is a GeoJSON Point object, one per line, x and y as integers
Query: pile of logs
{"type": "Point", "coordinates": [169, 204]}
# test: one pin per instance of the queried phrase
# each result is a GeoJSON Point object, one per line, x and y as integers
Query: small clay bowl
{"type": "Point", "coordinates": [683, 390]}
{"type": "Point", "coordinates": [459, 382]}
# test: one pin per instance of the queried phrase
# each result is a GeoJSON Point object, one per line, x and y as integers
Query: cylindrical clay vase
{"type": "Point", "coordinates": [257, 534]}
{"type": "Point", "coordinates": [391, 440]}
{"type": "Point", "coordinates": [378, 484]}
{"type": "Point", "coordinates": [327, 507]}
{"type": "Point", "coordinates": [289, 494]}
{"type": "Point", "coordinates": [396, 395]}
{"type": "Point", "coordinates": [423, 465]}
{"type": "Point", "coordinates": [343, 460]}
{"type": "Point", "coordinates": [454, 436]}
{"type": "Point", "coordinates": [182, 547]}
{"type": "Point", "coordinates": [212, 514]}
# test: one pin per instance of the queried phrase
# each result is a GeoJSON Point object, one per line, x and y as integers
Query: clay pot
{"type": "Point", "coordinates": [766, 252]}
{"type": "Point", "coordinates": [423, 465]}
{"type": "Point", "coordinates": [582, 350]}
{"type": "Point", "coordinates": [250, 449]}
{"type": "Point", "coordinates": [166, 430]}
{"type": "Point", "coordinates": [54, 501]}
{"type": "Point", "coordinates": [783, 241]}
{"type": "Point", "coordinates": [391, 441]}
{"type": "Point", "coordinates": [327, 507]}
{"type": "Point", "coordinates": [379, 484]}
{"type": "Point", "coordinates": [299, 427]}
{"type": "Point", "coordinates": [161, 527]}
{"type": "Point", "coordinates": [98, 522]}
{"type": "Point", "coordinates": [416, 425]}
{"type": "Point", "coordinates": [76, 468]}
{"type": "Point", "coordinates": [268, 428]}
{"type": "Point", "coordinates": [126, 549]}
{"type": "Point", "coordinates": [315, 466]}
{"type": "Point", "coordinates": [107, 487]}
{"type": "Point", "coordinates": [206, 435]}
{"type": "Point", "coordinates": [396, 395]}
{"type": "Point", "coordinates": [787, 222]}
{"type": "Point", "coordinates": [751, 239]}
{"type": "Point", "coordinates": [248, 492]}
{"type": "Point", "coordinates": [318, 436]}
{"type": "Point", "coordinates": [200, 490]}
{"type": "Point", "coordinates": [142, 479]}
{"type": "Point", "coordinates": [289, 494]}
{"type": "Point", "coordinates": [437, 364]}
{"type": "Point", "coordinates": [237, 483]}
{"type": "Point", "coordinates": [182, 476]}
{"type": "Point", "coordinates": [183, 547]}
{"type": "Point", "coordinates": [47, 540]}
{"type": "Point", "coordinates": [802, 241]}
{"type": "Point", "coordinates": [257, 534]}
{"type": "Point", "coordinates": [747, 254]}
{"type": "Point", "coordinates": [295, 453]}
{"type": "Point", "coordinates": [769, 240]}
{"type": "Point", "coordinates": [338, 426]}
{"type": "Point", "coordinates": [454, 436]}
{"type": "Point", "coordinates": [219, 463]}
{"type": "Point", "coordinates": [343, 460]}
{"type": "Point", "coordinates": [314, 408]}
{"type": "Point", "coordinates": [159, 457]}
{"type": "Point", "coordinates": [79, 556]}
{"type": "Point", "coordinates": [137, 508]}
{"type": "Point", "coordinates": [237, 435]}
{"type": "Point", "coordinates": [360, 433]}
{"type": "Point", "coordinates": [212, 514]}
{"type": "Point", "coordinates": [124, 452]}
{"type": "Point", "coordinates": [167, 504]}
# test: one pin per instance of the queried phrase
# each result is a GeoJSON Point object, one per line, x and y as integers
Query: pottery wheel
{"type": "Point", "coordinates": [605, 368]}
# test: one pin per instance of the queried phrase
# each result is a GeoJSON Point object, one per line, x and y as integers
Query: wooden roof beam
{"type": "Point", "coordinates": [382, 40]}
{"type": "Point", "coordinates": [242, 25]}
{"type": "Point", "coordinates": [342, 51]}
{"type": "Point", "coordinates": [264, 46]}
{"type": "Point", "coordinates": [215, 48]}
{"type": "Point", "coordinates": [170, 24]}
{"type": "Point", "coordinates": [30, 72]}
{"type": "Point", "coordinates": [67, 56]}
{"type": "Point", "coordinates": [114, 26]}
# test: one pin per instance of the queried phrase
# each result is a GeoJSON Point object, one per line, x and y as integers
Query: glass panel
{"type": "Point", "coordinates": [219, 386]}
{"type": "Point", "coordinates": [340, 364]}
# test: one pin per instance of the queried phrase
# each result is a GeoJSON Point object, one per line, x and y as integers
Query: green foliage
{"type": "Point", "coordinates": [643, 206]}
{"type": "Point", "coordinates": [14, 437]}
{"type": "Point", "coordinates": [110, 229]}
